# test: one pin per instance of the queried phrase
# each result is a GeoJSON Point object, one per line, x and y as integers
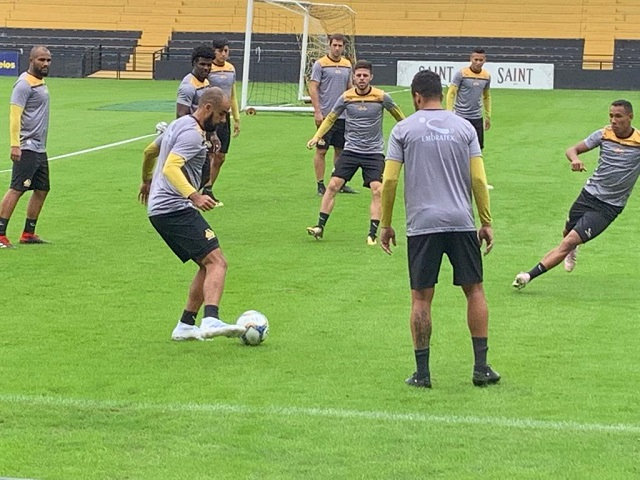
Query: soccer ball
{"type": "Point", "coordinates": [257, 327]}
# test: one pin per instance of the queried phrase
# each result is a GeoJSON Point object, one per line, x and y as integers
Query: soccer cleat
{"type": "Point", "coordinates": [570, 260]}
{"type": "Point", "coordinates": [347, 189]}
{"type": "Point", "coordinates": [5, 242]}
{"type": "Point", "coordinates": [321, 189]}
{"type": "Point", "coordinates": [316, 232]}
{"type": "Point", "coordinates": [489, 187]}
{"type": "Point", "coordinates": [209, 192]}
{"type": "Point", "coordinates": [371, 240]}
{"type": "Point", "coordinates": [484, 376]}
{"type": "Point", "coordinates": [161, 127]}
{"type": "Point", "coordinates": [31, 238]}
{"type": "Point", "coordinates": [184, 332]}
{"type": "Point", "coordinates": [521, 280]}
{"type": "Point", "coordinates": [414, 381]}
{"type": "Point", "coordinates": [213, 327]}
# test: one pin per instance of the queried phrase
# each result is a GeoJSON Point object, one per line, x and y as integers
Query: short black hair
{"type": "Point", "coordinates": [219, 42]}
{"type": "Point", "coordinates": [337, 36]}
{"type": "Point", "coordinates": [479, 50]}
{"type": "Point", "coordinates": [363, 64]}
{"type": "Point", "coordinates": [628, 108]}
{"type": "Point", "coordinates": [427, 84]}
{"type": "Point", "coordinates": [202, 51]}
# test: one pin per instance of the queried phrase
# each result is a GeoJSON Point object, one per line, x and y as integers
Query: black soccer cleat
{"type": "Point", "coordinates": [321, 189]}
{"type": "Point", "coordinates": [347, 189]}
{"type": "Point", "coordinates": [414, 381]}
{"type": "Point", "coordinates": [484, 376]}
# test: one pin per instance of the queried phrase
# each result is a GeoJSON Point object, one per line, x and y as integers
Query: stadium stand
{"type": "Point", "coordinates": [596, 24]}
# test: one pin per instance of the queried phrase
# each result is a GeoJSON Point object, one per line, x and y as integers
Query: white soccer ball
{"type": "Point", "coordinates": [257, 327]}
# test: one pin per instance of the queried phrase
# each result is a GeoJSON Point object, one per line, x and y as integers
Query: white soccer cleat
{"type": "Point", "coordinates": [184, 332]}
{"type": "Point", "coordinates": [570, 260]}
{"type": "Point", "coordinates": [521, 280]}
{"type": "Point", "coordinates": [489, 187]}
{"type": "Point", "coordinates": [161, 127]}
{"type": "Point", "coordinates": [212, 327]}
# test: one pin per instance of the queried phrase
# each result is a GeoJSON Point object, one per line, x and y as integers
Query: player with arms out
{"type": "Point", "coordinates": [330, 78]}
{"type": "Point", "coordinates": [605, 193]}
{"type": "Point", "coordinates": [443, 171]}
{"type": "Point", "coordinates": [28, 129]}
{"type": "Point", "coordinates": [364, 108]}
{"type": "Point", "coordinates": [173, 204]}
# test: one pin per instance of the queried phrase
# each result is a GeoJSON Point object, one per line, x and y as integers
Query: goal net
{"type": "Point", "coordinates": [282, 41]}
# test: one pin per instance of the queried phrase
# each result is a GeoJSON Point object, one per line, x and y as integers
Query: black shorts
{"type": "Point", "coordinates": [589, 217]}
{"type": "Point", "coordinates": [478, 124]}
{"type": "Point", "coordinates": [31, 172]}
{"type": "Point", "coordinates": [224, 134]}
{"type": "Point", "coordinates": [334, 137]}
{"type": "Point", "coordinates": [187, 233]}
{"type": "Point", "coordinates": [348, 163]}
{"type": "Point", "coordinates": [425, 257]}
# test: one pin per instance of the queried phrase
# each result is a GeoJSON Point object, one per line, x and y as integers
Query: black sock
{"type": "Point", "coordinates": [211, 311]}
{"type": "Point", "coordinates": [30, 225]}
{"type": "Point", "coordinates": [480, 352]}
{"type": "Point", "coordinates": [188, 317]}
{"type": "Point", "coordinates": [3, 225]}
{"type": "Point", "coordinates": [373, 228]}
{"type": "Point", "coordinates": [539, 269]}
{"type": "Point", "coordinates": [320, 184]}
{"type": "Point", "coordinates": [422, 362]}
{"type": "Point", "coordinates": [322, 219]}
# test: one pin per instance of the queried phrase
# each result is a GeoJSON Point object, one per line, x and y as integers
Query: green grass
{"type": "Point", "coordinates": [91, 387]}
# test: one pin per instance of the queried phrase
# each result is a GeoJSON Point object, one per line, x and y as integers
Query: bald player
{"type": "Point", "coordinates": [443, 171]}
{"type": "Point", "coordinates": [605, 193]}
{"type": "Point", "coordinates": [223, 75]}
{"type": "Point", "coordinates": [28, 129]}
{"type": "Point", "coordinates": [173, 204]}
{"type": "Point", "coordinates": [363, 107]}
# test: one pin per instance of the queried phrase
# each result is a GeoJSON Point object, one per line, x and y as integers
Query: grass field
{"type": "Point", "coordinates": [91, 387]}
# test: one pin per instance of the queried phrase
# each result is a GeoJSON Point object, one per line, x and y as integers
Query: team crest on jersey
{"type": "Point", "coordinates": [209, 235]}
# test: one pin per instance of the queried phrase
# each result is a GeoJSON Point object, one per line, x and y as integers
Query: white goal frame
{"type": "Point", "coordinates": [300, 8]}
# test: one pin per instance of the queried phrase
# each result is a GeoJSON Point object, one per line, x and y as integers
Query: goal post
{"type": "Point", "coordinates": [283, 38]}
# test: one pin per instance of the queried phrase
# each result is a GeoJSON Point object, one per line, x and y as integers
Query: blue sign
{"type": "Point", "coordinates": [9, 63]}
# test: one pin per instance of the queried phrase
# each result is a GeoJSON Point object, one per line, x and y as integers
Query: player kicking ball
{"type": "Point", "coordinates": [605, 193]}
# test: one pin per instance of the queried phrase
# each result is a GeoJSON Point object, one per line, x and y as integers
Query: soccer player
{"type": "Point", "coordinates": [28, 129]}
{"type": "Point", "coordinates": [364, 107]}
{"type": "Point", "coordinates": [330, 78]}
{"type": "Point", "coordinates": [605, 193]}
{"type": "Point", "coordinates": [173, 201]}
{"type": "Point", "coordinates": [443, 170]}
{"type": "Point", "coordinates": [223, 75]}
{"type": "Point", "coordinates": [191, 88]}
{"type": "Point", "coordinates": [469, 93]}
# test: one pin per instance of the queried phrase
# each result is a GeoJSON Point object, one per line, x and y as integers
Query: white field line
{"type": "Point", "coordinates": [94, 149]}
{"type": "Point", "coordinates": [399, 91]}
{"type": "Point", "coordinates": [335, 413]}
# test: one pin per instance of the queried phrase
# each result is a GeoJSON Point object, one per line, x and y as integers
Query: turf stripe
{"type": "Point", "coordinates": [217, 408]}
{"type": "Point", "coordinates": [94, 149]}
